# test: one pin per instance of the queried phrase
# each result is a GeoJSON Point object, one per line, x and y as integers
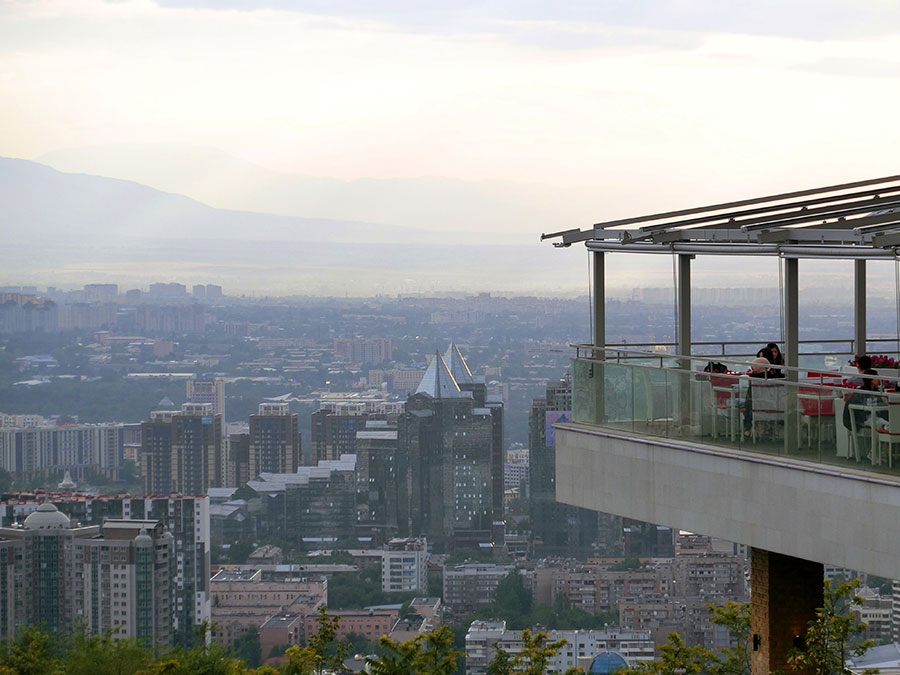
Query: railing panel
{"type": "Point", "coordinates": [818, 418]}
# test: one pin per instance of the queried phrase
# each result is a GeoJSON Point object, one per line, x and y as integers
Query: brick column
{"type": "Point", "coordinates": [785, 593]}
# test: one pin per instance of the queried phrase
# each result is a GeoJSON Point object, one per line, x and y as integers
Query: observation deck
{"type": "Point", "coordinates": [764, 462]}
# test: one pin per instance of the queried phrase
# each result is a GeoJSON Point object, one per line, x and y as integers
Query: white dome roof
{"type": "Point", "coordinates": [46, 517]}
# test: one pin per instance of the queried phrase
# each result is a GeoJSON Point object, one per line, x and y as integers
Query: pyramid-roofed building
{"type": "Point", "coordinates": [438, 381]}
{"type": "Point", "coordinates": [457, 365]}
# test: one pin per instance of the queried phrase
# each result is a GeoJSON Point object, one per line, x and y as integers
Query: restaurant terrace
{"type": "Point", "coordinates": [766, 461]}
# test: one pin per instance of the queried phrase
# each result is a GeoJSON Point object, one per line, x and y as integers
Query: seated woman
{"type": "Point", "coordinates": [864, 396]}
{"type": "Point", "coordinates": [773, 354]}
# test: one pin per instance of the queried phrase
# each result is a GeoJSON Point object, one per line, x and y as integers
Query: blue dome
{"type": "Point", "coordinates": [607, 662]}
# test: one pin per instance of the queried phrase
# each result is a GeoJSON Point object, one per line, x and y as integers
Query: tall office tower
{"type": "Point", "coordinates": [380, 495]}
{"type": "Point", "coordinates": [213, 291]}
{"type": "Point", "coordinates": [274, 440]}
{"type": "Point", "coordinates": [58, 576]}
{"type": "Point", "coordinates": [182, 451]}
{"type": "Point", "coordinates": [446, 442]}
{"type": "Point", "coordinates": [458, 367]}
{"type": "Point", "coordinates": [184, 518]}
{"type": "Point", "coordinates": [557, 528]}
{"type": "Point", "coordinates": [208, 390]}
{"type": "Point", "coordinates": [199, 292]}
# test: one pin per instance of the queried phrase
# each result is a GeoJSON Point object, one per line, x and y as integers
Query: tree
{"type": "Point", "coordinates": [511, 597]}
{"type": "Point", "coordinates": [32, 653]}
{"type": "Point", "coordinates": [832, 636]}
{"type": "Point", "coordinates": [323, 652]}
{"type": "Point", "coordinates": [675, 658]}
{"type": "Point", "coordinates": [532, 660]}
{"type": "Point", "coordinates": [428, 654]}
{"type": "Point", "coordinates": [248, 649]}
{"type": "Point", "coordinates": [89, 654]}
{"type": "Point", "coordinates": [735, 616]}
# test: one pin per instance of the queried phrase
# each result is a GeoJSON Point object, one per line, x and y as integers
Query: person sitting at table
{"type": "Point", "coordinates": [863, 364]}
{"type": "Point", "coordinates": [865, 396]}
{"type": "Point", "coordinates": [773, 354]}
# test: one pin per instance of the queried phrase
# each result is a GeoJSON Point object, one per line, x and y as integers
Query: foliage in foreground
{"type": "Point", "coordinates": [832, 637]}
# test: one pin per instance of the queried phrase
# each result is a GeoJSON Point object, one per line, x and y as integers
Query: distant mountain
{"type": "Point", "coordinates": [70, 229]}
{"type": "Point", "coordinates": [493, 210]}
{"type": "Point", "coordinates": [39, 202]}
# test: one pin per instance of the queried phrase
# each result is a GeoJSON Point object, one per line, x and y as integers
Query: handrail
{"type": "Point", "coordinates": [631, 354]}
{"type": "Point", "coordinates": [725, 343]}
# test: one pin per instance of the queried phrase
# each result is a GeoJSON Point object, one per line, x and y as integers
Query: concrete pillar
{"type": "Point", "coordinates": [785, 594]}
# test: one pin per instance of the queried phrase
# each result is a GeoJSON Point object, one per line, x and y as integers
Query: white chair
{"type": "Point", "coordinates": [816, 409]}
{"type": "Point", "coordinates": [725, 390]}
{"type": "Point", "coordinates": [862, 436]}
{"type": "Point", "coordinates": [891, 434]}
{"type": "Point", "coordinates": [767, 399]}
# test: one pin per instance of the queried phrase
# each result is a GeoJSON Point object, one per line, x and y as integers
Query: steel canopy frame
{"type": "Point", "coordinates": [832, 221]}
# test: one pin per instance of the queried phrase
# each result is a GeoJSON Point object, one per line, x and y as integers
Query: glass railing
{"type": "Point", "coordinates": [836, 417]}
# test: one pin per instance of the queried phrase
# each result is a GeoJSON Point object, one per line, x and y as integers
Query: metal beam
{"type": "Point", "coordinates": [859, 306]}
{"type": "Point", "coordinates": [746, 202]}
{"type": "Point", "coordinates": [877, 201]}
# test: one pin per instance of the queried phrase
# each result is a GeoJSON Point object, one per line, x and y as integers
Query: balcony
{"type": "Point", "coordinates": [654, 437]}
{"type": "Point", "coordinates": [821, 414]}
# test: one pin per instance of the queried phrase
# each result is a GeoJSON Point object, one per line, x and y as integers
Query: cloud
{"type": "Point", "coordinates": [853, 67]}
{"type": "Point", "coordinates": [805, 19]}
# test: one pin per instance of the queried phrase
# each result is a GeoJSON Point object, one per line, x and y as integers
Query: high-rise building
{"type": "Point", "coordinates": [101, 292]}
{"type": "Point", "coordinates": [185, 518]}
{"type": "Point", "coordinates": [467, 382]}
{"type": "Point", "coordinates": [363, 350]}
{"type": "Point", "coordinates": [445, 442]}
{"type": "Point", "coordinates": [274, 440]}
{"type": "Point", "coordinates": [182, 451]}
{"type": "Point", "coordinates": [81, 449]}
{"type": "Point", "coordinates": [336, 424]}
{"type": "Point", "coordinates": [238, 465]}
{"type": "Point", "coordinates": [208, 390]}
{"type": "Point", "coordinates": [59, 575]}
{"type": "Point", "coordinates": [381, 498]}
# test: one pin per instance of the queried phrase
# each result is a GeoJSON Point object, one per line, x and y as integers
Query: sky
{"type": "Point", "coordinates": [564, 93]}
{"type": "Point", "coordinates": [654, 105]}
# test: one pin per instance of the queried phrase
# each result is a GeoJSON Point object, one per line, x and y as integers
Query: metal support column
{"type": "Point", "coordinates": [683, 335]}
{"type": "Point", "coordinates": [599, 336]}
{"type": "Point", "coordinates": [791, 349]}
{"type": "Point", "coordinates": [859, 306]}
{"type": "Point", "coordinates": [683, 293]}
{"type": "Point", "coordinates": [599, 308]}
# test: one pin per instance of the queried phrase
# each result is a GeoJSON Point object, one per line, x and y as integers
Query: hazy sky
{"type": "Point", "coordinates": [695, 100]}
